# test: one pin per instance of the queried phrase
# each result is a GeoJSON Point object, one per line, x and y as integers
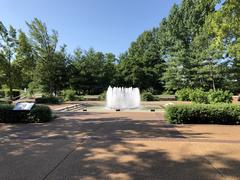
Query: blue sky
{"type": "Point", "coordinates": [105, 25]}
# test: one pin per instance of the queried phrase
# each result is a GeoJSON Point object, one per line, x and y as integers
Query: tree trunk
{"type": "Point", "coordinates": [10, 78]}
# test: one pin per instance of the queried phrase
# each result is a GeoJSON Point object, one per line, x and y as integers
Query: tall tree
{"type": "Point", "coordinates": [25, 60]}
{"type": "Point", "coordinates": [181, 27]}
{"type": "Point", "coordinates": [92, 71]}
{"type": "Point", "coordinates": [224, 25]}
{"type": "Point", "coordinates": [45, 47]}
{"type": "Point", "coordinates": [8, 44]}
{"type": "Point", "coordinates": [143, 65]}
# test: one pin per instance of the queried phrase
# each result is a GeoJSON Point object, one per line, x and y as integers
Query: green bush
{"type": "Point", "coordinates": [102, 96]}
{"type": "Point", "coordinates": [5, 101]}
{"type": "Point", "coordinates": [48, 100]}
{"type": "Point", "coordinates": [2, 94]}
{"type": "Point", "coordinates": [203, 113]}
{"type": "Point", "coordinates": [184, 94]}
{"type": "Point", "coordinates": [69, 95]}
{"type": "Point", "coordinates": [5, 112]}
{"type": "Point", "coordinates": [38, 114]}
{"type": "Point", "coordinates": [6, 93]}
{"type": "Point", "coordinates": [219, 96]}
{"type": "Point", "coordinates": [199, 96]}
{"type": "Point", "coordinates": [148, 96]}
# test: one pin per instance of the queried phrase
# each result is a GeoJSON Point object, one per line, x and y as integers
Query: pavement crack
{"type": "Point", "coordinates": [209, 162]}
{"type": "Point", "coordinates": [60, 162]}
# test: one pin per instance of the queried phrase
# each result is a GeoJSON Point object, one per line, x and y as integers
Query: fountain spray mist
{"type": "Point", "coordinates": [123, 98]}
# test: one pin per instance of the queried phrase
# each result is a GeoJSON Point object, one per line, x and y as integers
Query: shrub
{"type": "Point", "coordinates": [6, 93]}
{"type": "Point", "coordinates": [219, 96]}
{"type": "Point", "coordinates": [48, 100]}
{"type": "Point", "coordinates": [184, 94]}
{"type": "Point", "coordinates": [203, 113]}
{"type": "Point", "coordinates": [38, 114]}
{"type": "Point", "coordinates": [199, 96]}
{"type": "Point", "coordinates": [5, 101]}
{"type": "Point", "coordinates": [148, 96]}
{"type": "Point", "coordinates": [69, 95]}
{"type": "Point", "coordinates": [5, 112]}
{"type": "Point", "coordinates": [2, 93]}
{"type": "Point", "coordinates": [102, 96]}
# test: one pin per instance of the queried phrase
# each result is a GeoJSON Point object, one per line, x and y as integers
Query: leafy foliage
{"type": "Point", "coordinates": [203, 114]}
{"type": "Point", "coordinates": [148, 96]}
{"type": "Point", "coordinates": [184, 94]}
{"type": "Point", "coordinates": [219, 96]}
{"type": "Point", "coordinates": [199, 96]}
{"type": "Point", "coordinates": [196, 46]}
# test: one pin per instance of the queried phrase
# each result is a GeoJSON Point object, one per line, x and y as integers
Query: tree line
{"type": "Point", "coordinates": [197, 45]}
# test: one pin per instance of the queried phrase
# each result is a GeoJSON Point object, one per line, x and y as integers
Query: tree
{"type": "Point", "coordinates": [92, 72]}
{"type": "Point", "coordinates": [224, 25]}
{"type": "Point", "coordinates": [25, 60]}
{"type": "Point", "coordinates": [44, 45]}
{"type": "Point", "coordinates": [142, 65]}
{"type": "Point", "coordinates": [178, 32]}
{"type": "Point", "coordinates": [7, 51]}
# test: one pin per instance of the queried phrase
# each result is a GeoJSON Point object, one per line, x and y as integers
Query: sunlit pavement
{"type": "Point", "coordinates": [118, 145]}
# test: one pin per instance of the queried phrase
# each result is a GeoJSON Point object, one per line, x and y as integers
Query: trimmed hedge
{"type": "Point", "coordinates": [48, 100]}
{"type": "Point", "coordinates": [38, 114]}
{"type": "Point", "coordinates": [203, 114]}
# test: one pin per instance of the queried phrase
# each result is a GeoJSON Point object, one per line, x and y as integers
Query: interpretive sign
{"type": "Point", "coordinates": [23, 106]}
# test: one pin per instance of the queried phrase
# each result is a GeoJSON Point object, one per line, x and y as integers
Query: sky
{"type": "Point", "coordinates": [105, 25]}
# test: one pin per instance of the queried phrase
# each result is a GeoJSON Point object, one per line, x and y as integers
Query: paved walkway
{"type": "Point", "coordinates": [118, 145]}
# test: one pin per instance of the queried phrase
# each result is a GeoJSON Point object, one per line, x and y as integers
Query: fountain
{"type": "Point", "coordinates": [123, 98]}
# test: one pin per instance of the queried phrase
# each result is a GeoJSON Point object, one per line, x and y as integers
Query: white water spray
{"type": "Point", "coordinates": [123, 98]}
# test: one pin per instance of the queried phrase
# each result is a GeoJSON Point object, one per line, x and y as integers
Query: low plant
{"type": "Point", "coordinates": [219, 96]}
{"type": "Point", "coordinates": [184, 94]}
{"type": "Point", "coordinates": [39, 114]}
{"type": "Point", "coordinates": [148, 96]}
{"type": "Point", "coordinates": [102, 96]}
{"type": "Point", "coordinates": [5, 110]}
{"type": "Point", "coordinates": [48, 100]}
{"type": "Point", "coordinates": [203, 114]}
{"type": "Point", "coordinates": [199, 96]}
{"type": "Point", "coordinates": [69, 95]}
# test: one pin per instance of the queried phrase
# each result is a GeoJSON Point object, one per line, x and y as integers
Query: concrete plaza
{"type": "Point", "coordinates": [118, 145]}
